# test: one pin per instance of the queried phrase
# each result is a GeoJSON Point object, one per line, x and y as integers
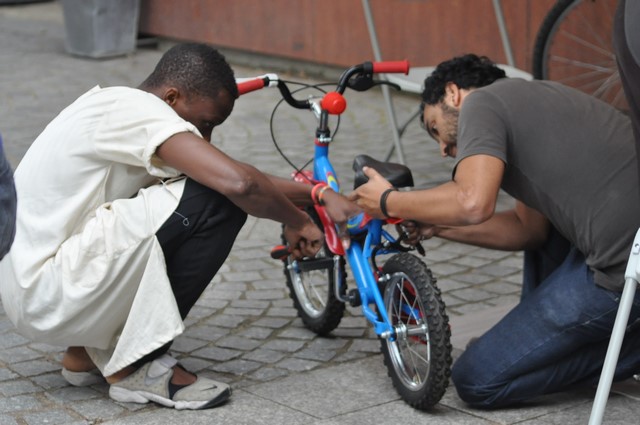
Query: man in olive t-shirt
{"type": "Point", "coordinates": [569, 161]}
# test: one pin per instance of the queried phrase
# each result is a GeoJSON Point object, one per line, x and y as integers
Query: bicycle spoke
{"type": "Point", "coordinates": [574, 47]}
{"type": "Point", "coordinates": [593, 47]}
{"type": "Point", "coordinates": [581, 64]}
{"type": "Point", "coordinates": [318, 296]}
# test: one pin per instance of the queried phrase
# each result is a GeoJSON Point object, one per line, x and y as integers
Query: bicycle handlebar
{"type": "Point", "coordinates": [246, 85]}
{"type": "Point", "coordinates": [362, 75]}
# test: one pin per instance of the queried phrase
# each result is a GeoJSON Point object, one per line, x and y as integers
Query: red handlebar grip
{"type": "Point", "coordinates": [251, 85]}
{"type": "Point", "coordinates": [391, 67]}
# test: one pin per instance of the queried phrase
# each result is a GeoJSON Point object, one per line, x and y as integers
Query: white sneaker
{"type": "Point", "coordinates": [152, 382]}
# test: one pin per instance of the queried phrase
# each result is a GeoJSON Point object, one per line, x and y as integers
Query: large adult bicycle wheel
{"type": "Point", "coordinates": [311, 283]}
{"type": "Point", "coordinates": [419, 358]}
{"type": "Point", "coordinates": [574, 47]}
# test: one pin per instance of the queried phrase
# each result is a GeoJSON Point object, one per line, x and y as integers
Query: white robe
{"type": "Point", "coordinates": [86, 268]}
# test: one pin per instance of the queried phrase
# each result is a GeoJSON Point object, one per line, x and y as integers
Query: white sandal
{"type": "Point", "coordinates": [152, 382]}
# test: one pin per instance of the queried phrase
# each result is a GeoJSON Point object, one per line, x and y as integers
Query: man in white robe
{"type": "Point", "coordinates": [126, 213]}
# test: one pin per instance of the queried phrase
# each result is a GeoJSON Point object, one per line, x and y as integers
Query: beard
{"type": "Point", "coordinates": [450, 115]}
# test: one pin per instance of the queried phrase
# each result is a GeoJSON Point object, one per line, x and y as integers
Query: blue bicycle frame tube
{"type": "Point", "coordinates": [357, 255]}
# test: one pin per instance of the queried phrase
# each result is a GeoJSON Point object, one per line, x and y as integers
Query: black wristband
{"type": "Point", "coordinates": [383, 200]}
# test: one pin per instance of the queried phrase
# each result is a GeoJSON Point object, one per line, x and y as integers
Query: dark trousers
{"type": "Point", "coordinates": [196, 241]}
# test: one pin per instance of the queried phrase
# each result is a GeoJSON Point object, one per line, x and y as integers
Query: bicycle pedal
{"type": "Point", "coordinates": [354, 298]}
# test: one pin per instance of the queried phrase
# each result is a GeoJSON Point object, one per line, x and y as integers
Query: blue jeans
{"type": "Point", "coordinates": [554, 339]}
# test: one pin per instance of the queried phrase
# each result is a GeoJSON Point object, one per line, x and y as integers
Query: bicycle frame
{"type": "Point", "coordinates": [359, 255]}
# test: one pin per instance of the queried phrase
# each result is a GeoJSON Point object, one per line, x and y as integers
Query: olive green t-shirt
{"type": "Point", "coordinates": [567, 155]}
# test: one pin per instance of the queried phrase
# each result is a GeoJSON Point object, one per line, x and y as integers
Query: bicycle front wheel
{"type": "Point", "coordinates": [574, 46]}
{"type": "Point", "coordinates": [419, 359]}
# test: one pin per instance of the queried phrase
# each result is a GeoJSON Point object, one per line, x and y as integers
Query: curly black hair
{"type": "Point", "coordinates": [196, 68]}
{"type": "Point", "coordinates": [467, 71]}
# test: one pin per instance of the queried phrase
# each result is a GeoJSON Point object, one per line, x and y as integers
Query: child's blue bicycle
{"type": "Point", "coordinates": [399, 298]}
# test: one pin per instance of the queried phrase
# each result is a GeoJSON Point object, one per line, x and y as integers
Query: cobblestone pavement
{"type": "Point", "coordinates": [244, 329]}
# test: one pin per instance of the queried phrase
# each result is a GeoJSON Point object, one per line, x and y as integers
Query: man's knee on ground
{"type": "Point", "coordinates": [465, 376]}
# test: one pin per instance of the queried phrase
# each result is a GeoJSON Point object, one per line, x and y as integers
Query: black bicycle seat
{"type": "Point", "coordinates": [397, 174]}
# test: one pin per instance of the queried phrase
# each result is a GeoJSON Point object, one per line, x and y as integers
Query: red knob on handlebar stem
{"type": "Point", "coordinates": [334, 103]}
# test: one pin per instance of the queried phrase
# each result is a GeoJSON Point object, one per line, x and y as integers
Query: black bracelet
{"type": "Point", "coordinates": [383, 200]}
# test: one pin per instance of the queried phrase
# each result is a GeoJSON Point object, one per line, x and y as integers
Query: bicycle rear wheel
{"type": "Point", "coordinates": [311, 283]}
{"type": "Point", "coordinates": [419, 359]}
{"type": "Point", "coordinates": [574, 47]}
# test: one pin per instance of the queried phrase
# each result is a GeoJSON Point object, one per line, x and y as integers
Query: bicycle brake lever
{"type": "Point", "coordinates": [362, 82]}
{"type": "Point", "coordinates": [387, 83]}
{"type": "Point", "coordinates": [418, 246]}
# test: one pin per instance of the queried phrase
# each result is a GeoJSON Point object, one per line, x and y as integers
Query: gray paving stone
{"type": "Point", "coordinates": [368, 386]}
{"type": "Point", "coordinates": [472, 294]}
{"type": "Point", "coordinates": [49, 417]}
{"type": "Point", "coordinates": [297, 333]}
{"type": "Point", "coordinates": [272, 294]}
{"type": "Point", "coordinates": [227, 321]}
{"type": "Point", "coordinates": [471, 277]}
{"type": "Point", "coordinates": [272, 322]}
{"type": "Point", "coordinates": [50, 381]}
{"type": "Point", "coordinates": [297, 365]}
{"type": "Point", "coordinates": [206, 333]}
{"type": "Point", "coordinates": [286, 345]}
{"type": "Point", "coordinates": [18, 387]}
{"type": "Point", "coordinates": [367, 346]}
{"type": "Point", "coordinates": [237, 367]}
{"type": "Point", "coordinates": [20, 403]}
{"type": "Point", "coordinates": [316, 354]}
{"type": "Point", "coordinates": [6, 374]}
{"type": "Point", "coordinates": [228, 295]}
{"type": "Point", "coordinates": [328, 344]}
{"type": "Point", "coordinates": [250, 312]}
{"type": "Point", "coordinates": [71, 394]}
{"type": "Point", "coordinates": [97, 409]}
{"type": "Point", "coordinates": [268, 373]}
{"type": "Point", "coordinates": [195, 365]}
{"type": "Point", "coordinates": [185, 344]}
{"type": "Point", "coordinates": [18, 354]}
{"type": "Point", "coordinates": [12, 339]}
{"type": "Point", "coordinates": [282, 312]}
{"type": "Point", "coordinates": [250, 304]}
{"type": "Point", "coordinates": [7, 420]}
{"type": "Point", "coordinates": [349, 332]}
{"type": "Point", "coordinates": [238, 343]}
{"type": "Point", "coordinates": [256, 332]}
{"type": "Point", "coordinates": [216, 353]}
{"type": "Point", "coordinates": [36, 367]}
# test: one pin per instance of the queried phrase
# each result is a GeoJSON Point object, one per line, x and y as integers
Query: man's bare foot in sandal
{"type": "Point", "coordinates": [167, 383]}
{"type": "Point", "coordinates": [78, 368]}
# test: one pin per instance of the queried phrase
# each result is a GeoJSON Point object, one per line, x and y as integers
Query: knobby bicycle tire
{"type": "Point", "coordinates": [574, 47]}
{"type": "Point", "coordinates": [418, 362]}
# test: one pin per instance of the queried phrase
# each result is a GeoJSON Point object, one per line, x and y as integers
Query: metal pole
{"type": "Point", "coordinates": [391, 116]}
{"type": "Point", "coordinates": [506, 44]}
